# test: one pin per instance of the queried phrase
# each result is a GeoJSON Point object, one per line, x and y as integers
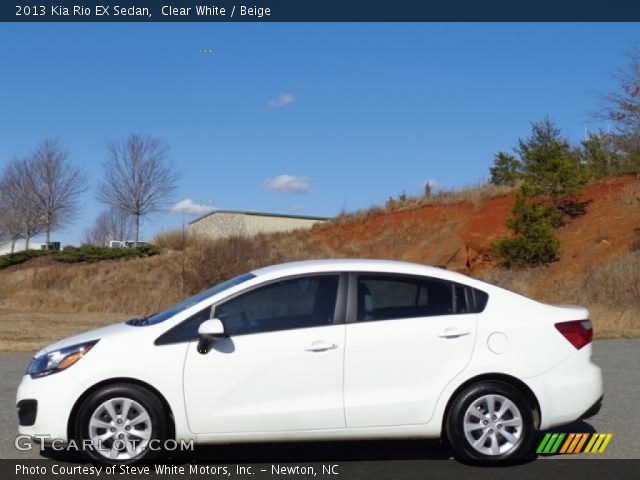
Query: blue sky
{"type": "Point", "coordinates": [349, 113]}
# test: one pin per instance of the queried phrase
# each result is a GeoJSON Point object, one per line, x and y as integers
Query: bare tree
{"type": "Point", "coordinates": [138, 177]}
{"type": "Point", "coordinates": [18, 194]}
{"type": "Point", "coordinates": [112, 224]}
{"type": "Point", "coordinates": [10, 223]}
{"type": "Point", "coordinates": [10, 229]}
{"type": "Point", "coordinates": [20, 217]}
{"type": "Point", "coordinates": [623, 108]}
{"type": "Point", "coordinates": [54, 184]}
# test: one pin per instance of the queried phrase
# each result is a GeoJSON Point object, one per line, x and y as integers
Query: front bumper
{"type": "Point", "coordinates": [45, 404]}
{"type": "Point", "coordinates": [27, 412]}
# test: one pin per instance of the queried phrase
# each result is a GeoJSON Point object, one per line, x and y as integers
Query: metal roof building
{"type": "Point", "coordinates": [227, 223]}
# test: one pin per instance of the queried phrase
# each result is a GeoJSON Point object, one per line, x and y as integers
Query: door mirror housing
{"type": "Point", "coordinates": [211, 329]}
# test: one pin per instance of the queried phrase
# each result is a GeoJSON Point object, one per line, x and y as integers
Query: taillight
{"type": "Point", "coordinates": [578, 332]}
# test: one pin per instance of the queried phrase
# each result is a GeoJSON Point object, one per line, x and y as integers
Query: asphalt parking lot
{"type": "Point", "coordinates": [619, 359]}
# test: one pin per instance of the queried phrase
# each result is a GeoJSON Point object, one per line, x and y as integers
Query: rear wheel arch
{"type": "Point", "coordinates": [71, 421]}
{"type": "Point", "coordinates": [495, 377]}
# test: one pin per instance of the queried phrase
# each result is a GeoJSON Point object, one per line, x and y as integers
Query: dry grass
{"type": "Point", "coordinates": [616, 283]}
{"type": "Point", "coordinates": [176, 240]}
{"type": "Point", "coordinates": [29, 331]}
{"type": "Point", "coordinates": [134, 286]}
{"type": "Point", "coordinates": [474, 194]}
{"type": "Point", "coordinates": [516, 280]}
{"type": "Point", "coordinates": [610, 290]}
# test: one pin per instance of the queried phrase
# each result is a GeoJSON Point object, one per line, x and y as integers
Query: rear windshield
{"type": "Point", "coordinates": [179, 307]}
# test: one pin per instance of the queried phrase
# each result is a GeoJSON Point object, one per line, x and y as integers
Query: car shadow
{"type": "Point", "coordinates": [338, 451]}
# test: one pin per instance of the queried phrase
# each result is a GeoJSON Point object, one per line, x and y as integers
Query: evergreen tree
{"type": "Point", "coordinates": [552, 171]}
{"type": "Point", "coordinates": [533, 241]}
{"type": "Point", "coordinates": [506, 170]}
{"type": "Point", "coordinates": [599, 155]}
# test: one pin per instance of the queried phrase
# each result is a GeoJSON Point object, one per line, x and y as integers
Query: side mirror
{"type": "Point", "coordinates": [211, 328]}
{"type": "Point", "coordinates": [209, 331]}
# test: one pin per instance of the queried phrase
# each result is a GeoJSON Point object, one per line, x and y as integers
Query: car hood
{"type": "Point", "coordinates": [98, 333]}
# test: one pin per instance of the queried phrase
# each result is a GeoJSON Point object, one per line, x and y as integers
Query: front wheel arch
{"type": "Point", "coordinates": [71, 421]}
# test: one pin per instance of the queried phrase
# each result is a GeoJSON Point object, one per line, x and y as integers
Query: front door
{"type": "Point", "coordinates": [281, 366]}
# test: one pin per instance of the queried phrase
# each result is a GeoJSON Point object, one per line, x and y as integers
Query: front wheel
{"type": "Point", "coordinates": [490, 422]}
{"type": "Point", "coordinates": [123, 423]}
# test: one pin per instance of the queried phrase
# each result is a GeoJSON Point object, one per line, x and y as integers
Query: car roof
{"type": "Point", "coordinates": [360, 265]}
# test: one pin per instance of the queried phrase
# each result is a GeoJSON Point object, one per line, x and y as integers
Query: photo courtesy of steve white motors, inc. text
{"type": "Point", "coordinates": [217, 470]}
{"type": "Point", "coordinates": [140, 13]}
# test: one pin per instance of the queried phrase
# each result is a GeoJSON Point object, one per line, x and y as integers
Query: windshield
{"type": "Point", "coordinates": [179, 307]}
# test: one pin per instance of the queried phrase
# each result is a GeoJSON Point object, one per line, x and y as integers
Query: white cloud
{"type": "Point", "coordinates": [190, 208]}
{"type": "Point", "coordinates": [282, 100]}
{"type": "Point", "coordinates": [288, 184]}
{"type": "Point", "coordinates": [297, 208]}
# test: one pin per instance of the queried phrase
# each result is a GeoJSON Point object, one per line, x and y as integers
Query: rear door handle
{"type": "Point", "coordinates": [453, 332]}
{"type": "Point", "coordinates": [321, 346]}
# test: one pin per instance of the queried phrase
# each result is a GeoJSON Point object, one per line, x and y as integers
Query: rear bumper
{"type": "Point", "coordinates": [569, 391]}
{"type": "Point", "coordinates": [593, 410]}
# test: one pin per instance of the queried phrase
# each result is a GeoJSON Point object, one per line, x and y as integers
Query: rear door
{"type": "Point", "coordinates": [407, 337]}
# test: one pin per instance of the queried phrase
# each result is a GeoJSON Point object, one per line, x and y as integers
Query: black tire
{"type": "Point", "coordinates": [456, 436]}
{"type": "Point", "coordinates": [145, 398]}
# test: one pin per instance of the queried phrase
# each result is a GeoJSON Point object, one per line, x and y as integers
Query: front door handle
{"type": "Point", "coordinates": [321, 346]}
{"type": "Point", "coordinates": [453, 332]}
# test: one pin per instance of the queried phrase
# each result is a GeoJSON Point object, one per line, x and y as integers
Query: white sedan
{"type": "Point", "coordinates": [320, 350]}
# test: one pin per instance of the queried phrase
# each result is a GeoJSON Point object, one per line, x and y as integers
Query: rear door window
{"type": "Point", "coordinates": [386, 297]}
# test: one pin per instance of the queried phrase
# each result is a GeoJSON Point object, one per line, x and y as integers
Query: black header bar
{"type": "Point", "coordinates": [320, 11]}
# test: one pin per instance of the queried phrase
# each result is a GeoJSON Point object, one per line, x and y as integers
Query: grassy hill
{"type": "Point", "coordinates": [598, 266]}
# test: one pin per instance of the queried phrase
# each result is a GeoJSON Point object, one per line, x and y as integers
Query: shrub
{"type": "Point", "coordinates": [212, 261]}
{"type": "Point", "coordinates": [533, 241]}
{"type": "Point", "coordinates": [90, 253]}
{"type": "Point", "coordinates": [21, 257]}
{"type": "Point", "coordinates": [177, 240]}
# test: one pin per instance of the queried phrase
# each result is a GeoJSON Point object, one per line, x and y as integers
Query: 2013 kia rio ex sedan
{"type": "Point", "coordinates": [318, 350]}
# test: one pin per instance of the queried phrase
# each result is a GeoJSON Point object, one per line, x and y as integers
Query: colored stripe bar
{"type": "Point", "coordinates": [594, 438]}
{"type": "Point", "coordinates": [575, 442]}
{"type": "Point", "coordinates": [567, 443]}
{"type": "Point", "coordinates": [543, 443]}
{"type": "Point", "coordinates": [550, 443]}
{"type": "Point", "coordinates": [555, 447]}
{"type": "Point", "coordinates": [599, 441]}
{"type": "Point", "coordinates": [605, 443]}
{"type": "Point", "coordinates": [581, 443]}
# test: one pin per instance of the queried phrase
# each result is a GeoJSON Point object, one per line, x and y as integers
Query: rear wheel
{"type": "Point", "coordinates": [124, 423]}
{"type": "Point", "coordinates": [490, 422]}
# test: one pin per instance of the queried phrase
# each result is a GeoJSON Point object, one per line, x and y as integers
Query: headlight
{"type": "Point", "coordinates": [58, 360]}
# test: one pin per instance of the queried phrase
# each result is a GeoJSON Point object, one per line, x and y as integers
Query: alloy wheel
{"type": "Point", "coordinates": [120, 429]}
{"type": "Point", "coordinates": [493, 425]}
